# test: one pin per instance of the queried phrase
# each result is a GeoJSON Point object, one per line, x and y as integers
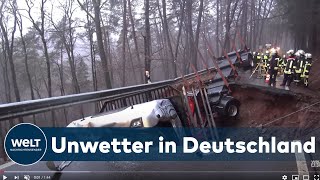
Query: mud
{"type": "Point", "coordinates": [260, 107]}
{"type": "Point", "coordinates": [315, 75]}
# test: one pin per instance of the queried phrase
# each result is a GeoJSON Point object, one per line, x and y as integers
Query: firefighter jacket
{"type": "Point", "coordinates": [298, 65]}
{"type": "Point", "coordinates": [266, 60]}
{"type": "Point", "coordinates": [288, 69]}
{"type": "Point", "coordinates": [274, 63]}
{"type": "Point", "coordinates": [281, 62]}
{"type": "Point", "coordinates": [306, 69]}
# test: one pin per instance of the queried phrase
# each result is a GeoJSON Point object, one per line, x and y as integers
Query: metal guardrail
{"type": "Point", "coordinates": [24, 108]}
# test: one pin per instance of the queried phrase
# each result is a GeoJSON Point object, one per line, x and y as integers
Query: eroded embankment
{"type": "Point", "coordinates": [262, 106]}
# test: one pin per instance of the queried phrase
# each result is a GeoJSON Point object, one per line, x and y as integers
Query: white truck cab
{"type": "Point", "coordinates": [148, 114]}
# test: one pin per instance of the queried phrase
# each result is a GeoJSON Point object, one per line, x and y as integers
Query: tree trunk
{"type": "Point", "coordinates": [102, 52]}
{"type": "Point", "coordinates": [147, 40]}
{"type": "Point", "coordinates": [217, 26]}
{"type": "Point", "coordinates": [5, 73]}
{"type": "Point", "coordinates": [132, 64]}
{"type": "Point", "coordinates": [196, 44]}
{"type": "Point", "coordinates": [161, 45]}
{"type": "Point", "coordinates": [26, 63]}
{"type": "Point", "coordinates": [62, 91]}
{"type": "Point", "coordinates": [227, 26]}
{"type": "Point", "coordinates": [257, 23]}
{"type": "Point", "coordinates": [244, 20]}
{"type": "Point", "coordinates": [167, 37]}
{"type": "Point", "coordinates": [179, 32]}
{"type": "Point", "coordinates": [251, 23]}
{"type": "Point", "coordinates": [9, 52]}
{"type": "Point", "coordinates": [124, 36]}
{"type": "Point", "coordinates": [134, 36]}
{"type": "Point", "coordinates": [189, 32]}
{"type": "Point", "coordinates": [72, 62]}
{"type": "Point", "coordinates": [265, 15]}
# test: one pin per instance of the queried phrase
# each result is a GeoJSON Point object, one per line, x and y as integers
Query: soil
{"type": "Point", "coordinates": [260, 106]}
{"type": "Point", "coordinates": [315, 76]}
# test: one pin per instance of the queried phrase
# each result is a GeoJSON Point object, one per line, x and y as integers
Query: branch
{"type": "Point", "coordinates": [103, 4]}
{"type": "Point", "coordinates": [13, 6]}
{"type": "Point", "coordinates": [30, 16]}
{"type": "Point", "coordinates": [83, 8]}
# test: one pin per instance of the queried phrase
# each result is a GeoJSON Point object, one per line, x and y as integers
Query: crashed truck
{"type": "Point", "coordinates": [195, 100]}
{"type": "Point", "coordinates": [198, 100]}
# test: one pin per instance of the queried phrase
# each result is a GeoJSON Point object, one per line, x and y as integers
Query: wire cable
{"type": "Point", "coordinates": [290, 114]}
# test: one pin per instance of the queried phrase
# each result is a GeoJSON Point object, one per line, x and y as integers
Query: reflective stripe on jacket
{"type": "Point", "coordinates": [289, 66]}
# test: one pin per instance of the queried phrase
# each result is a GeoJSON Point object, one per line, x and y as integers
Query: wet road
{"type": "Point", "coordinates": [125, 169]}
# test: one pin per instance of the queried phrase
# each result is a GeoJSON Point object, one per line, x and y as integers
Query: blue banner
{"type": "Point", "coordinates": [161, 144]}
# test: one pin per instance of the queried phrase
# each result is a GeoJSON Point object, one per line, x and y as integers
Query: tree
{"type": "Point", "coordinates": [96, 18]}
{"type": "Point", "coordinates": [217, 25]}
{"type": "Point", "coordinates": [25, 53]}
{"type": "Point", "coordinates": [124, 37]}
{"type": "Point", "coordinates": [134, 36]}
{"type": "Point", "coordinates": [9, 43]}
{"type": "Point", "coordinates": [66, 31]}
{"type": "Point", "coordinates": [198, 33]}
{"type": "Point", "coordinates": [5, 71]}
{"type": "Point", "coordinates": [167, 38]}
{"type": "Point", "coordinates": [147, 39]}
{"type": "Point", "coordinates": [189, 34]}
{"type": "Point", "coordinates": [182, 14]}
{"type": "Point", "coordinates": [41, 30]}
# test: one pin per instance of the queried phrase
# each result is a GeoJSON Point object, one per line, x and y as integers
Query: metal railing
{"type": "Point", "coordinates": [24, 108]}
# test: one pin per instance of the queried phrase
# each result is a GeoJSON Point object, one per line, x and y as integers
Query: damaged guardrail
{"type": "Point", "coordinates": [24, 108]}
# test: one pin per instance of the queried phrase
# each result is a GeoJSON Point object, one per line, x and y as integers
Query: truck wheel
{"type": "Point", "coordinates": [232, 110]}
{"type": "Point", "coordinates": [228, 107]}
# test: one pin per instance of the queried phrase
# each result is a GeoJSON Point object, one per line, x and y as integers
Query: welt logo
{"type": "Point", "coordinates": [25, 143]}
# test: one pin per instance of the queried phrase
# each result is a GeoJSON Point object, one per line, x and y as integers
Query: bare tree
{"type": "Point", "coordinates": [196, 43]}
{"type": "Point", "coordinates": [189, 34]}
{"type": "Point", "coordinates": [5, 72]}
{"type": "Point", "coordinates": [147, 38]}
{"type": "Point", "coordinates": [230, 15]}
{"type": "Point", "coordinates": [96, 18]}
{"type": "Point", "coordinates": [217, 25]}
{"type": "Point", "coordinates": [66, 31]}
{"type": "Point", "coordinates": [167, 38]}
{"type": "Point", "coordinates": [25, 53]}
{"type": "Point", "coordinates": [9, 43]}
{"type": "Point", "coordinates": [182, 14]}
{"type": "Point", "coordinates": [124, 37]}
{"type": "Point", "coordinates": [26, 64]}
{"type": "Point", "coordinates": [134, 36]}
{"type": "Point", "coordinates": [41, 30]}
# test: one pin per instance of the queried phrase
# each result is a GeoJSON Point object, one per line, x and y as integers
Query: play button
{"type": "Point", "coordinates": [4, 177]}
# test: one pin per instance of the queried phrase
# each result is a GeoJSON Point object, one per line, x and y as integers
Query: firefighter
{"type": "Point", "coordinates": [288, 69]}
{"type": "Point", "coordinates": [254, 56]}
{"type": "Point", "coordinates": [258, 57]}
{"type": "Point", "coordinates": [273, 67]}
{"type": "Point", "coordinates": [281, 64]}
{"type": "Point", "coordinates": [298, 66]}
{"type": "Point", "coordinates": [266, 60]}
{"type": "Point", "coordinates": [148, 77]}
{"type": "Point", "coordinates": [306, 69]}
